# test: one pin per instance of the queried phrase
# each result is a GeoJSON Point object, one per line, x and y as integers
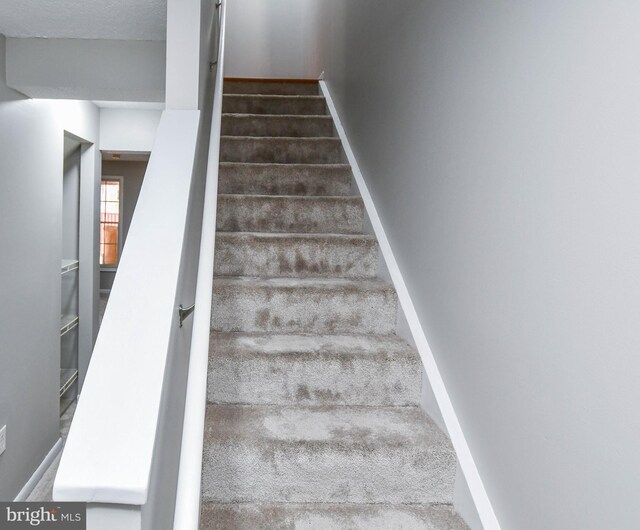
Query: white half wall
{"type": "Point", "coordinates": [499, 141]}
{"type": "Point", "coordinates": [128, 129]}
{"type": "Point", "coordinates": [112, 70]}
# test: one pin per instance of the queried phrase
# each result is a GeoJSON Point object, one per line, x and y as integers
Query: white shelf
{"type": "Point", "coordinates": [69, 265]}
{"type": "Point", "coordinates": [68, 376]}
{"type": "Point", "coordinates": [67, 323]}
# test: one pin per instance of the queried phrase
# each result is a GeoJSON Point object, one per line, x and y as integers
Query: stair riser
{"type": "Point", "coordinates": [295, 256]}
{"type": "Point", "coordinates": [268, 179]}
{"type": "Point", "coordinates": [307, 472]}
{"type": "Point", "coordinates": [286, 89]}
{"type": "Point", "coordinates": [290, 126]}
{"type": "Point", "coordinates": [238, 307]}
{"type": "Point", "coordinates": [304, 379]}
{"type": "Point", "coordinates": [245, 213]}
{"type": "Point", "coordinates": [296, 105]}
{"type": "Point", "coordinates": [281, 150]}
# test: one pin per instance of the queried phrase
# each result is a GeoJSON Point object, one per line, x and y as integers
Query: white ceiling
{"type": "Point", "coordinates": [85, 19]}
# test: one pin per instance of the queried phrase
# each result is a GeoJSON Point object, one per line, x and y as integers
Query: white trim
{"type": "Point", "coordinates": [39, 473]}
{"type": "Point", "coordinates": [465, 459]}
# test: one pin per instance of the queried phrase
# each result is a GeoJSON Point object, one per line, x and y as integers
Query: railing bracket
{"type": "Point", "coordinates": [184, 312]}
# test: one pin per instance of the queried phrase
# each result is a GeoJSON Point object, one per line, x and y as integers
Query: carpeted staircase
{"type": "Point", "coordinates": [313, 418]}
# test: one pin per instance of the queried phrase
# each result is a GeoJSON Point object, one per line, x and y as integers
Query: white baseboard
{"type": "Point", "coordinates": [476, 488]}
{"type": "Point", "coordinates": [37, 475]}
{"type": "Point", "coordinates": [463, 502]}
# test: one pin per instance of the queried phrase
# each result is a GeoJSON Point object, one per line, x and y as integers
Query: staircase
{"type": "Point", "coordinates": [313, 417]}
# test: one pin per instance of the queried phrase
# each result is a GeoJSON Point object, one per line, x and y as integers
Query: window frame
{"type": "Point", "coordinates": [111, 268]}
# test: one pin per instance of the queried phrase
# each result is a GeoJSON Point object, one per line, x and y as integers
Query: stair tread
{"type": "Point", "coordinates": [347, 427]}
{"type": "Point", "coordinates": [270, 86]}
{"type": "Point", "coordinates": [343, 198]}
{"type": "Point", "coordinates": [269, 254]}
{"type": "Point", "coordinates": [280, 164]}
{"type": "Point", "coordinates": [325, 516]}
{"type": "Point", "coordinates": [249, 115]}
{"type": "Point", "coordinates": [285, 179]}
{"type": "Point", "coordinates": [364, 284]}
{"type": "Point", "coordinates": [344, 454]}
{"type": "Point", "coordinates": [282, 149]}
{"type": "Point", "coordinates": [260, 344]}
{"type": "Point", "coordinates": [241, 212]}
{"type": "Point", "coordinates": [297, 235]}
{"type": "Point", "coordinates": [274, 139]}
{"type": "Point", "coordinates": [303, 369]}
{"type": "Point", "coordinates": [276, 96]}
{"type": "Point", "coordinates": [277, 125]}
{"type": "Point", "coordinates": [287, 104]}
{"type": "Point", "coordinates": [303, 305]}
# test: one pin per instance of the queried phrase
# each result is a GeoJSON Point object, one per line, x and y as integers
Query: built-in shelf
{"type": "Point", "coordinates": [67, 323]}
{"type": "Point", "coordinates": [69, 265]}
{"type": "Point", "coordinates": [68, 376]}
{"type": "Point", "coordinates": [69, 299]}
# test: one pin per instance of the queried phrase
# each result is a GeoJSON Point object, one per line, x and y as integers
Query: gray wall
{"type": "Point", "coordinates": [133, 175]}
{"type": "Point", "coordinates": [269, 39]}
{"type": "Point", "coordinates": [31, 164]}
{"type": "Point", "coordinates": [501, 143]}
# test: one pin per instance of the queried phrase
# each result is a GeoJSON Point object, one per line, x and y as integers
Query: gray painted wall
{"type": "Point", "coordinates": [31, 164]}
{"type": "Point", "coordinates": [269, 39]}
{"type": "Point", "coordinates": [132, 174]}
{"type": "Point", "coordinates": [500, 141]}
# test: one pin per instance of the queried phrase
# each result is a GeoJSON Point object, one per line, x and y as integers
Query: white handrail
{"type": "Point", "coordinates": [187, 511]}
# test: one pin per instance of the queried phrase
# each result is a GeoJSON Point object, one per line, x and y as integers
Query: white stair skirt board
{"type": "Point", "coordinates": [467, 465]}
{"type": "Point", "coordinates": [37, 475]}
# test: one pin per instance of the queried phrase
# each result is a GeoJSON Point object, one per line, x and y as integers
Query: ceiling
{"type": "Point", "coordinates": [85, 19]}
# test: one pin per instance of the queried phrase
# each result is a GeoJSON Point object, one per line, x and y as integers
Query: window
{"type": "Point", "coordinates": [109, 222]}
